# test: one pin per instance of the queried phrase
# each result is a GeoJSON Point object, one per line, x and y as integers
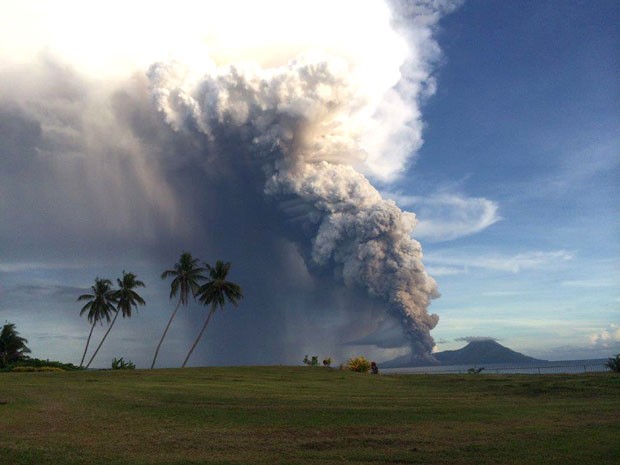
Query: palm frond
{"type": "Point", "coordinates": [217, 291]}
{"type": "Point", "coordinates": [187, 276]}
{"type": "Point", "coordinates": [99, 305]}
{"type": "Point", "coordinates": [168, 273]}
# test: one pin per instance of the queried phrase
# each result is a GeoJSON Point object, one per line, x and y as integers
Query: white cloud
{"type": "Point", "coordinates": [509, 263]}
{"type": "Point", "coordinates": [18, 267]}
{"type": "Point", "coordinates": [443, 270]}
{"type": "Point", "coordinates": [581, 165]}
{"type": "Point", "coordinates": [568, 352]}
{"type": "Point", "coordinates": [500, 293]}
{"type": "Point", "coordinates": [607, 338]}
{"type": "Point", "coordinates": [448, 216]}
{"type": "Point", "coordinates": [590, 283]}
{"type": "Point", "coordinates": [484, 316]}
{"type": "Point", "coordinates": [475, 339]}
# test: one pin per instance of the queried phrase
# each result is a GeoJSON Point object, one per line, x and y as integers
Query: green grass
{"type": "Point", "coordinates": [283, 415]}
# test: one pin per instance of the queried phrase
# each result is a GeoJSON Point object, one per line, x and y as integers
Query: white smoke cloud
{"type": "Point", "coordinates": [294, 122]}
{"type": "Point", "coordinates": [309, 117]}
{"type": "Point", "coordinates": [391, 58]}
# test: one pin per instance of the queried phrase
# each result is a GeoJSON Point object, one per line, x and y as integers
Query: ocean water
{"type": "Point", "coordinates": [563, 366]}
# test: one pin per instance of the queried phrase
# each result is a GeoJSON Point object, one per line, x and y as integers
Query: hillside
{"type": "Point", "coordinates": [305, 416]}
{"type": "Point", "coordinates": [479, 352]}
{"type": "Point", "coordinates": [474, 353]}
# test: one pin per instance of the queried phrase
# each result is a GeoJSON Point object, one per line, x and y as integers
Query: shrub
{"type": "Point", "coordinates": [31, 369]}
{"type": "Point", "coordinates": [359, 364]}
{"type": "Point", "coordinates": [35, 362]}
{"type": "Point", "coordinates": [327, 362]}
{"type": "Point", "coordinates": [23, 369]}
{"type": "Point", "coordinates": [614, 363]}
{"type": "Point", "coordinates": [311, 362]}
{"type": "Point", "coordinates": [120, 364]}
{"type": "Point", "coordinates": [50, 369]}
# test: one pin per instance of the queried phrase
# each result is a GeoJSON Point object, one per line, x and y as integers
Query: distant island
{"type": "Point", "coordinates": [474, 353]}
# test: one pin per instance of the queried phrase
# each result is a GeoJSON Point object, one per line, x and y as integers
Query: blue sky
{"type": "Point", "coordinates": [515, 184]}
{"type": "Point", "coordinates": [526, 117]}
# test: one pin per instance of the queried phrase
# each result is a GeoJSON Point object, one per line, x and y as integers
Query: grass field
{"type": "Point", "coordinates": [283, 415]}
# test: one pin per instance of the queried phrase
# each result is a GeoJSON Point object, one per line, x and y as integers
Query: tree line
{"type": "Point", "coordinates": [188, 279]}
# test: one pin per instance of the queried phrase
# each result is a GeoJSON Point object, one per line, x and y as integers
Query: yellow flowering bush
{"type": "Point", "coordinates": [359, 364]}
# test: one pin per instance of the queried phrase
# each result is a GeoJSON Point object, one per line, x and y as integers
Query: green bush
{"type": "Point", "coordinates": [327, 362]}
{"type": "Point", "coordinates": [37, 363]}
{"type": "Point", "coordinates": [311, 362]}
{"type": "Point", "coordinates": [359, 364]}
{"type": "Point", "coordinates": [120, 364]}
{"type": "Point", "coordinates": [614, 363]}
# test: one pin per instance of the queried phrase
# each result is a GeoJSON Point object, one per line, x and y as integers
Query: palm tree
{"type": "Point", "coordinates": [215, 292]}
{"type": "Point", "coordinates": [12, 346]}
{"type": "Point", "coordinates": [187, 275]}
{"type": "Point", "coordinates": [99, 307]}
{"type": "Point", "coordinates": [126, 299]}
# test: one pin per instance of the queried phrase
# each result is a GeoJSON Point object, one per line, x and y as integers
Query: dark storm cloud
{"type": "Point", "coordinates": [388, 336]}
{"type": "Point", "coordinates": [73, 175]}
{"type": "Point", "coordinates": [19, 139]}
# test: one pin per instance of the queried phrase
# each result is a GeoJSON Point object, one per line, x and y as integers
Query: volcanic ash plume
{"type": "Point", "coordinates": [304, 130]}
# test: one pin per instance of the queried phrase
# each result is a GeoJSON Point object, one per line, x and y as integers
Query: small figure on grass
{"type": "Point", "coordinates": [374, 369]}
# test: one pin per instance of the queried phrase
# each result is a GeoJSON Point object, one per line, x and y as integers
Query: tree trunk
{"type": "Point", "coordinates": [164, 335]}
{"type": "Point", "coordinates": [104, 336]}
{"type": "Point", "coordinates": [198, 338]}
{"type": "Point", "coordinates": [87, 343]}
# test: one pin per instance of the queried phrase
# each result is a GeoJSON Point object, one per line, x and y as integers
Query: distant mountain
{"type": "Point", "coordinates": [479, 352]}
{"type": "Point", "coordinates": [475, 353]}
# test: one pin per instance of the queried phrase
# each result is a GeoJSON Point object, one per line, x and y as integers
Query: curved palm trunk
{"type": "Point", "coordinates": [165, 332]}
{"type": "Point", "coordinates": [104, 336]}
{"type": "Point", "coordinates": [198, 338]}
{"type": "Point", "coordinates": [87, 343]}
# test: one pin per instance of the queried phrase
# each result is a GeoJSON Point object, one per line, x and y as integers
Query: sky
{"type": "Point", "coordinates": [296, 142]}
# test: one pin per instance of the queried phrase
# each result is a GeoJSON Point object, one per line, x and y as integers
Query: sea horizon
{"type": "Point", "coordinates": [538, 367]}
